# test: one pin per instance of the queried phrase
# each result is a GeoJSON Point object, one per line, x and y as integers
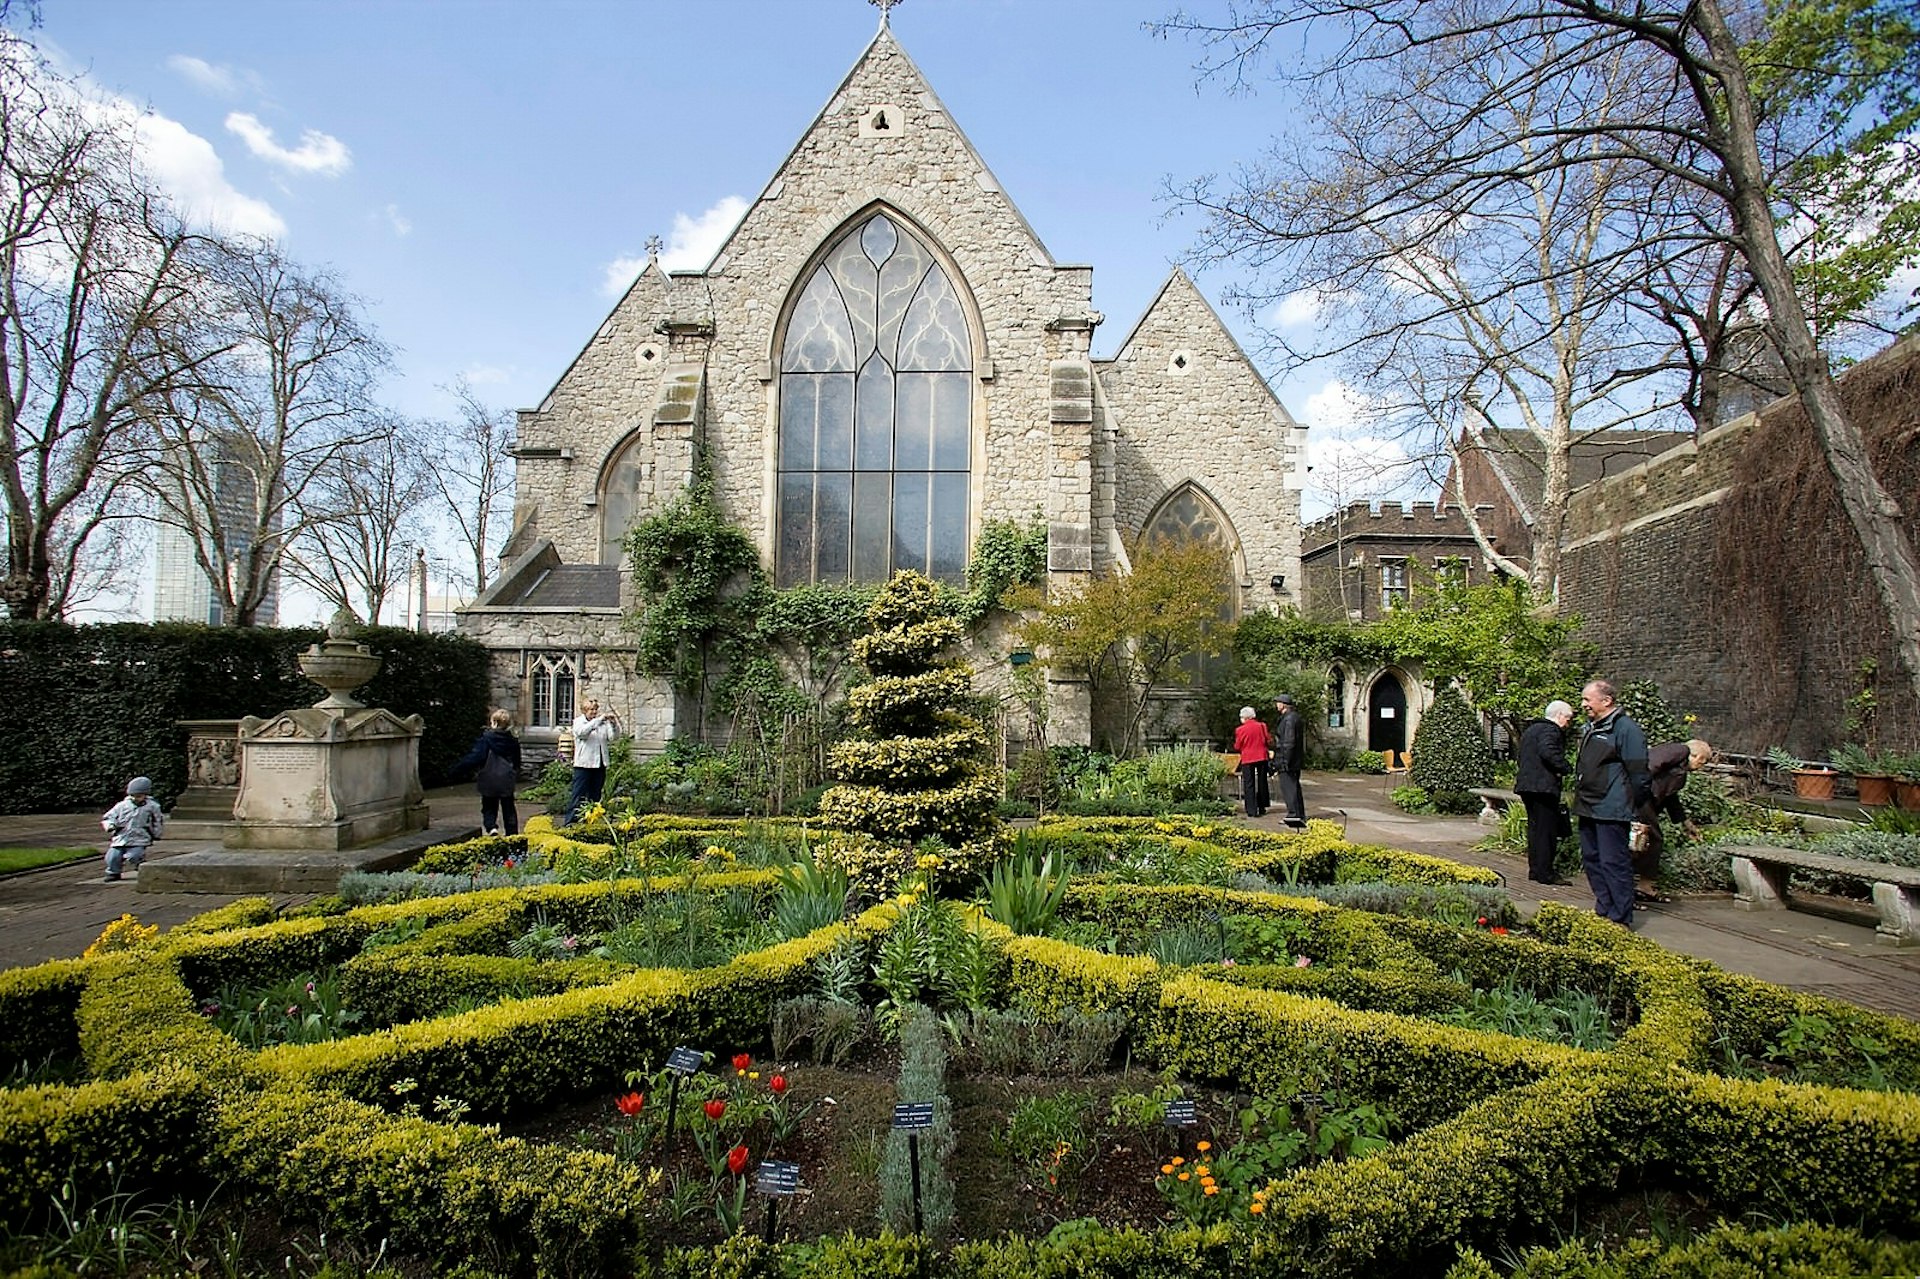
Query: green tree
{"type": "Point", "coordinates": [1508, 654]}
{"type": "Point", "coordinates": [1138, 632]}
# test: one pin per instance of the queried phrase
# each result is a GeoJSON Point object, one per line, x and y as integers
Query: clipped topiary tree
{"type": "Point", "coordinates": [922, 768]}
{"type": "Point", "coordinates": [1450, 753]}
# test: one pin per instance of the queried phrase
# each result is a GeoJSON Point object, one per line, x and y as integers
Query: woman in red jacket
{"type": "Point", "coordinates": [1252, 742]}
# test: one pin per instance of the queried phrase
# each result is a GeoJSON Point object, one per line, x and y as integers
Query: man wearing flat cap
{"type": "Point", "coordinates": [1289, 753]}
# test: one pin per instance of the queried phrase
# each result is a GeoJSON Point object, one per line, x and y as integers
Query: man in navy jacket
{"type": "Point", "coordinates": [1610, 785]}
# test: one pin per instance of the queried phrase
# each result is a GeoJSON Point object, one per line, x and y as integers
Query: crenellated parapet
{"type": "Point", "coordinates": [1389, 520]}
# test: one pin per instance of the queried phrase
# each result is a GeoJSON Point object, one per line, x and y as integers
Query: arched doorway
{"type": "Point", "coordinates": [1387, 714]}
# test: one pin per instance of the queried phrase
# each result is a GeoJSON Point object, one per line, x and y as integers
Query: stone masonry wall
{"type": "Point", "coordinates": [1184, 404]}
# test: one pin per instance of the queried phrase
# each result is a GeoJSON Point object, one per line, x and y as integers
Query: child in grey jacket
{"type": "Point", "coordinates": [134, 823]}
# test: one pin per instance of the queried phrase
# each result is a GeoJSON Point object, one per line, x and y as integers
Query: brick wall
{"type": "Point", "coordinates": [1726, 571]}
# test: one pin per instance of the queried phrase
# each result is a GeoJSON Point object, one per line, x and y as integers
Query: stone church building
{"type": "Point", "coordinates": [881, 357]}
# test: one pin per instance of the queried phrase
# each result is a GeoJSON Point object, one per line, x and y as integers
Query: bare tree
{"type": "Point", "coordinates": [95, 278]}
{"type": "Point", "coordinates": [473, 473]}
{"type": "Point", "coordinates": [358, 518]}
{"type": "Point", "coordinates": [239, 453]}
{"type": "Point", "coordinates": [1825, 99]}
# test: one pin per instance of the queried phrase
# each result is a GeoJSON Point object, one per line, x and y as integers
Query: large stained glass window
{"type": "Point", "coordinates": [876, 406]}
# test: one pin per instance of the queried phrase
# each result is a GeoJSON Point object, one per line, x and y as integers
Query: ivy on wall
{"type": "Point", "coordinates": [712, 624]}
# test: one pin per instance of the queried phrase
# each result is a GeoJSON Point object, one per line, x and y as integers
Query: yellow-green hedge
{"type": "Point", "coordinates": [151, 1126]}
{"type": "Point", "coordinates": [37, 1007]}
{"type": "Point", "coordinates": [1261, 1040]}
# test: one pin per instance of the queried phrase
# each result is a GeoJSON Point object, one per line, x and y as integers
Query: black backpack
{"type": "Point", "coordinates": [497, 776]}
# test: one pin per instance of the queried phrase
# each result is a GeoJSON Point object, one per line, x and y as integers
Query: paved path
{"type": "Point", "coordinates": [57, 911]}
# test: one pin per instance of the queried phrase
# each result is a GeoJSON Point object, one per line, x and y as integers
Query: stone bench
{"type": "Point", "coordinates": [1494, 803]}
{"type": "Point", "coordinates": [1760, 883]}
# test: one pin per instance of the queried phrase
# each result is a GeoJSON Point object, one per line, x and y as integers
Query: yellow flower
{"type": "Point", "coordinates": [1167, 1169]}
{"type": "Point", "coordinates": [929, 861]}
{"type": "Point", "coordinates": [1259, 1206]}
{"type": "Point", "coordinates": [1206, 1180]}
{"type": "Point", "coordinates": [1200, 1170]}
{"type": "Point", "coordinates": [1178, 1160]}
{"type": "Point", "coordinates": [753, 1074]}
{"type": "Point", "coordinates": [1210, 1189]}
{"type": "Point", "coordinates": [1186, 1176]}
{"type": "Point", "coordinates": [1204, 1147]}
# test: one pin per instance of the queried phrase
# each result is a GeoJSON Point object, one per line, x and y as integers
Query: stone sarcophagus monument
{"type": "Point", "coordinates": [321, 790]}
{"type": "Point", "coordinates": [337, 774]}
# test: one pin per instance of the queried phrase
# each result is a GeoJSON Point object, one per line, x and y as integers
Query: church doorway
{"type": "Point", "coordinates": [1387, 715]}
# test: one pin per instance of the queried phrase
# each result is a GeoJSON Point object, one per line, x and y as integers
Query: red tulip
{"type": "Point", "coordinates": [778, 1083]}
{"type": "Point", "coordinates": [737, 1160]}
{"type": "Point", "coordinates": [716, 1108]}
{"type": "Point", "coordinates": [742, 1060]}
{"type": "Point", "coordinates": [630, 1104]}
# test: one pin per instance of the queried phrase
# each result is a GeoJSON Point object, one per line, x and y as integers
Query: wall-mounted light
{"type": "Point", "coordinates": [1279, 583]}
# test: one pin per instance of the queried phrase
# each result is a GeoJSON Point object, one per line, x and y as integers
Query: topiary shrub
{"type": "Point", "coordinates": [1450, 753]}
{"type": "Point", "coordinates": [921, 768]}
{"type": "Point", "coordinates": [1641, 700]}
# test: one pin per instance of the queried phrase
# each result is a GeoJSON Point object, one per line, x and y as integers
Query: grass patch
{"type": "Point", "coordinates": [12, 859]}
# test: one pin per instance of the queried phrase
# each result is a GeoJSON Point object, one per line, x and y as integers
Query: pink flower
{"type": "Point", "coordinates": [1227, 962]}
{"type": "Point", "coordinates": [1303, 961]}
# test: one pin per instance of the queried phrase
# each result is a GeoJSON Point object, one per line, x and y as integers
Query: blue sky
{"type": "Point", "coordinates": [482, 173]}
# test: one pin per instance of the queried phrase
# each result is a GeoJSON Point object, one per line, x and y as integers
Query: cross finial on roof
{"type": "Point", "coordinates": [653, 248]}
{"type": "Point", "coordinates": [886, 8]}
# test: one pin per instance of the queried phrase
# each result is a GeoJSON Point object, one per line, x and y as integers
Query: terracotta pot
{"type": "Point", "coordinates": [1908, 794]}
{"type": "Point", "coordinates": [1813, 783]}
{"type": "Point", "coordinates": [1874, 789]}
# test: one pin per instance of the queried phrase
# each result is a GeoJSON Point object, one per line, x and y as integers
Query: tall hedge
{"type": "Point", "coordinates": [83, 708]}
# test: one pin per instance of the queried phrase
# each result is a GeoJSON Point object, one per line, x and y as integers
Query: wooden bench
{"type": "Point", "coordinates": [1495, 803]}
{"type": "Point", "coordinates": [1760, 883]}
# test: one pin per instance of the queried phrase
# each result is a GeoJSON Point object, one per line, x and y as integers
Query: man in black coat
{"type": "Point", "coordinates": [1543, 762]}
{"type": "Point", "coordinates": [1289, 754]}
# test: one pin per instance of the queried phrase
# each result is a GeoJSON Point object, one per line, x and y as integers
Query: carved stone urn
{"type": "Point", "coordinates": [341, 664]}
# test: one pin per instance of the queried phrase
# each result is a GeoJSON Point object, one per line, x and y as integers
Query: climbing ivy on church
{"type": "Point", "coordinates": [921, 767]}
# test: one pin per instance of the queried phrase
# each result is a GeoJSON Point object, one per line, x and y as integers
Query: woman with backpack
{"type": "Point", "coordinates": [494, 762]}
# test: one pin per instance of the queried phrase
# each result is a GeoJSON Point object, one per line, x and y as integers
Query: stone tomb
{"type": "Point", "coordinates": [327, 779]}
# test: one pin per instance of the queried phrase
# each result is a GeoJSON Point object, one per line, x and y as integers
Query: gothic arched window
{"type": "Point", "coordinates": [1189, 516]}
{"type": "Point", "coordinates": [876, 410]}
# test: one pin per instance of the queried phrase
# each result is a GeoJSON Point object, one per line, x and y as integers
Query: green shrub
{"type": "Point", "coordinates": [1450, 753]}
{"type": "Point", "coordinates": [1372, 762]}
{"type": "Point", "coordinates": [923, 1078]}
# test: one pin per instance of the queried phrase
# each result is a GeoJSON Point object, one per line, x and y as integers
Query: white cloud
{"type": "Point", "coordinates": [1294, 310]}
{"type": "Point", "coordinates": [620, 274]}
{"type": "Point", "coordinates": [189, 169]}
{"type": "Point", "coordinates": [222, 81]}
{"type": "Point", "coordinates": [695, 240]}
{"type": "Point", "coordinates": [182, 163]}
{"type": "Point", "coordinates": [1336, 408]}
{"type": "Point", "coordinates": [486, 374]}
{"type": "Point", "coordinates": [400, 222]}
{"type": "Point", "coordinates": [691, 246]}
{"type": "Point", "coordinates": [318, 152]}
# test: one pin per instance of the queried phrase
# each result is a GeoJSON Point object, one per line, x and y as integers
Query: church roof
{"type": "Point", "coordinates": [883, 44]}
{"type": "Point", "coordinates": [569, 586]}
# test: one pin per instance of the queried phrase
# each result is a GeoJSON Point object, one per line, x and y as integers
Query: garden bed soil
{"type": "Point", "coordinates": [839, 1148]}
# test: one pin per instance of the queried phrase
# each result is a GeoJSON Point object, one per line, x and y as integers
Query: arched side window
{"type": "Point", "coordinates": [1186, 516]}
{"type": "Point", "coordinates": [1336, 698]}
{"type": "Point", "coordinates": [619, 499]}
{"type": "Point", "coordinates": [876, 409]}
{"type": "Point", "coordinates": [551, 678]}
